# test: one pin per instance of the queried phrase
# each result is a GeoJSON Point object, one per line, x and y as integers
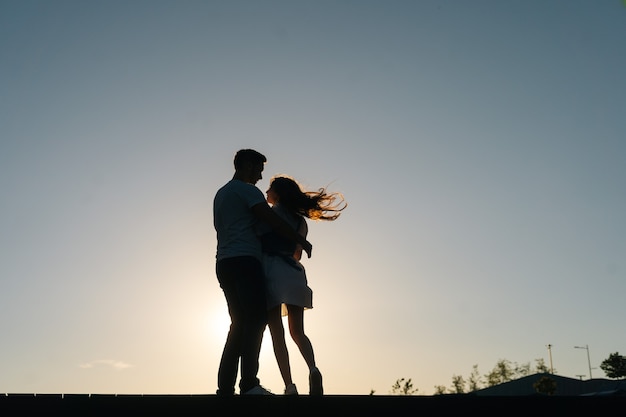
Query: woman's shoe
{"type": "Point", "coordinates": [315, 382]}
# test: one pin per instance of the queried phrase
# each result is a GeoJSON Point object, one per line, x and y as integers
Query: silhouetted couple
{"type": "Point", "coordinates": [258, 267]}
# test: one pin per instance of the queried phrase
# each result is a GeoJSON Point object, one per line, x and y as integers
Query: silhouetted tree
{"type": "Point", "coordinates": [521, 370]}
{"type": "Point", "coordinates": [506, 371]}
{"type": "Point", "coordinates": [501, 373]}
{"type": "Point", "coordinates": [545, 385]}
{"type": "Point", "coordinates": [440, 390]}
{"type": "Point", "coordinates": [614, 366]}
{"type": "Point", "coordinates": [458, 384]}
{"type": "Point", "coordinates": [403, 387]}
{"type": "Point", "coordinates": [541, 367]}
{"type": "Point", "coordinates": [474, 379]}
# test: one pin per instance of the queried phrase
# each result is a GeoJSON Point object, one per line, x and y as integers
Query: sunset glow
{"type": "Point", "coordinates": [479, 145]}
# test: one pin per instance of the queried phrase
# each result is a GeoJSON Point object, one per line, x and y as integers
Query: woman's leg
{"type": "Point", "coordinates": [296, 329]}
{"type": "Point", "coordinates": [275, 323]}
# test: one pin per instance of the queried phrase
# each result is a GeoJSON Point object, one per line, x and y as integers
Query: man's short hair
{"type": "Point", "coordinates": [248, 157]}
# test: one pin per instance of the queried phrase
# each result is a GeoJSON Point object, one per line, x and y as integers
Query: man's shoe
{"type": "Point", "coordinates": [291, 390]}
{"type": "Point", "coordinates": [315, 382]}
{"type": "Point", "coordinates": [258, 390]}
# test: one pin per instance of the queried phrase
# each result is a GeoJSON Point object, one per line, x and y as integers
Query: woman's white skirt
{"type": "Point", "coordinates": [286, 283]}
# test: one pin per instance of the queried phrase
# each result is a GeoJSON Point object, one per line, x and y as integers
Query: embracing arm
{"type": "Point", "coordinates": [264, 212]}
{"type": "Point", "coordinates": [297, 254]}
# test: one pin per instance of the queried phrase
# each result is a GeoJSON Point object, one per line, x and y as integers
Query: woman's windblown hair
{"type": "Point", "coordinates": [315, 205]}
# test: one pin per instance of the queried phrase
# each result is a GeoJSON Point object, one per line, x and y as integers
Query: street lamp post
{"type": "Point", "coordinates": [550, 354]}
{"type": "Point", "coordinates": [586, 347]}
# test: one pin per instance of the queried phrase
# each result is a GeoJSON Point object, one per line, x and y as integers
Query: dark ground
{"type": "Point", "coordinates": [330, 405]}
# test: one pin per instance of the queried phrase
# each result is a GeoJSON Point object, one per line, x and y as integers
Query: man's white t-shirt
{"type": "Point", "coordinates": [234, 222]}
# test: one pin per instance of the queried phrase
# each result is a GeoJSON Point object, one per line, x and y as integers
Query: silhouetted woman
{"type": "Point", "coordinates": [287, 289]}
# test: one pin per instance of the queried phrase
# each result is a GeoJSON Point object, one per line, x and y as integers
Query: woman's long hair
{"type": "Point", "coordinates": [315, 205]}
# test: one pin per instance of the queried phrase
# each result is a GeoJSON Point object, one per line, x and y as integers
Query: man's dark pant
{"type": "Point", "coordinates": [241, 278]}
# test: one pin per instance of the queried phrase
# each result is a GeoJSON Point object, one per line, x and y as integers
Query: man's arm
{"type": "Point", "coordinates": [264, 212]}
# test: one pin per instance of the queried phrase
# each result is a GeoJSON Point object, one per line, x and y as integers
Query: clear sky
{"type": "Point", "coordinates": [480, 146]}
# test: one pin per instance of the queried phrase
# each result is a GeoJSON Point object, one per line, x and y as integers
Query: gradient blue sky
{"type": "Point", "coordinates": [480, 146]}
